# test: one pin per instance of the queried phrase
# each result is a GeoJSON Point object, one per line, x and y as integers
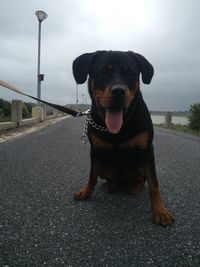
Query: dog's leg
{"type": "Point", "coordinates": [161, 214]}
{"type": "Point", "coordinates": [139, 180]}
{"type": "Point", "coordinates": [137, 186]}
{"type": "Point", "coordinates": [110, 187]}
{"type": "Point", "coordinates": [87, 190]}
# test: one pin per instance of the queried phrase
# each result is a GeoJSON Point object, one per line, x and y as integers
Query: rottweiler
{"type": "Point", "coordinates": [120, 130]}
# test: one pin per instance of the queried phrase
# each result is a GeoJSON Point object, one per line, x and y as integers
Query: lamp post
{"type": "Point", "coordinates": [77, 95]}
{"type": "Point", "coordinates": [41, 15]}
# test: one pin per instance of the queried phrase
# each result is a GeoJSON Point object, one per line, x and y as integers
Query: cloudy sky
{"type": "Point", "coordinates": [165, 32]}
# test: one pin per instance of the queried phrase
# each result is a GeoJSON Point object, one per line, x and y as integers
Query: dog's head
{"type": "Point", "coordinates": [113, 82]}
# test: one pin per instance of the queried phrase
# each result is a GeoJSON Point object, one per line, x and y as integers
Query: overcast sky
{"type": "Point", "coordinates": [165, 32]}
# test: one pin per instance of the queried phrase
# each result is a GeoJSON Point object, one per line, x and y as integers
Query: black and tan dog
{"type": "Point", "coordinates": [120, 129]}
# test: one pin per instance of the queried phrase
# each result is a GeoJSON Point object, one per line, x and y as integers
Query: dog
{"type": "Point", "coordinates": [120, 130]}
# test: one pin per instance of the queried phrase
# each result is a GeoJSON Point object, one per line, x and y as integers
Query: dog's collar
{"type": "Point", "coordinates": [90, 121]}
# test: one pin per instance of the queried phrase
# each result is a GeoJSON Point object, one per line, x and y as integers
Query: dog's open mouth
{"type": "Point", "coordinates": [112, 108]}
{"type": "Point", "coordinates": [114, 120]}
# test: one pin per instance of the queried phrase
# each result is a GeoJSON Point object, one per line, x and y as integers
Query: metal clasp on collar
{"type": "Point", "coordinates": [79, 114]}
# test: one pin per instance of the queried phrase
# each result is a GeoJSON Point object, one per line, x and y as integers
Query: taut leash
{"type": "Point", "coordinates": [69, 111]}
{"type": "Point", "coordinates": [64, 109]}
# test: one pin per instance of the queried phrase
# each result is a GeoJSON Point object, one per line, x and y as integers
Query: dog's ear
{"type": "Point", "coordinates": [81, 66]}
{"type": "Point", "coordinates": [145, 67]}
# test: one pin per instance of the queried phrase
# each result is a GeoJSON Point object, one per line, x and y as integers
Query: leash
{"type": "Point", "coordinates": [64, 109]}
{"type": "Point", "coordinates": [69, 111]}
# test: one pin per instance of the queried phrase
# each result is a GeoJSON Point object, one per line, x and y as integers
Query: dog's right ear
{"type": "Point", "coordinates": [81, 66]}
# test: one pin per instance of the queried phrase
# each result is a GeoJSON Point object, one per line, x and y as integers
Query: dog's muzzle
{"type": "Point", "coordinates": [118, 90]}
{"type": "Point", "coordinates": [114, 113]}
{"type": "Point", "coordinates": [117, 96]}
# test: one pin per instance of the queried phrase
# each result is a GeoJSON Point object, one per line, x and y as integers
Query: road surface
{"type": "Point", "coordinates": [41, 224]}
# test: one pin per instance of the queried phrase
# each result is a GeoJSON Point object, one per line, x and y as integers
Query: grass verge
{"type": "Point", "coordinates": [180, 128]}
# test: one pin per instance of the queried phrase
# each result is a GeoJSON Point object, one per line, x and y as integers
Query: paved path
{"type": "Point", "coordinates": [41, 224]}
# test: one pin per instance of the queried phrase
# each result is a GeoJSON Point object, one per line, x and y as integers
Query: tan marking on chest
{"type": "Point", "coordinates": [140, 141]}
{"type": "Point", "coordinates": [98, 143]}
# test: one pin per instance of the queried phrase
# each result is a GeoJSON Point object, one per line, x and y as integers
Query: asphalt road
{"type": "Point", "coordinates": [41, 224]}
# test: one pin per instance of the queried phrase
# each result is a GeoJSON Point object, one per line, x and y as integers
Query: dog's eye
{"type": "Point", "coordinates": [129, 73]}
{"type": "Point", "coordinates": [105, 70]}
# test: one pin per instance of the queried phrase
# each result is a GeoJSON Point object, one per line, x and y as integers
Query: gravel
{"type": "Point", "coordinates": [41, 224]}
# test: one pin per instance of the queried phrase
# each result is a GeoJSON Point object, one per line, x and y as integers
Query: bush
{"type": "Point", "coordinates": [5, 110]}
{"type": "Point", "coordinates": [25, 112]}
{"type": "Point", "coordinates": [194, 117]}
{"type": "Point", "coordinates": [5, 107]}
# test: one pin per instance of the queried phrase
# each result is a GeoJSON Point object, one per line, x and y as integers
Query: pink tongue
{"type": "Point", "coordinates": [114, 121]}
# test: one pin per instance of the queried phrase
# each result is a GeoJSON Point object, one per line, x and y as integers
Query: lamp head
{"type": "Point", "coordinates": [41, 15]}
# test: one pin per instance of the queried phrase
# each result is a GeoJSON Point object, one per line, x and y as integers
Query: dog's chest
{"type": "Point", "coordinates": [119, 165]}
{"type": "Point", "coordinates": [139, 141]}
{"type": "Point", "coordinates": [120, 162]}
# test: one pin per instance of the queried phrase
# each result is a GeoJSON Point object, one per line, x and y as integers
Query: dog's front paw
{"type": "Point", "coordinates": [83, 194]}
{"type": "Point", "coordinates": [163, 217]}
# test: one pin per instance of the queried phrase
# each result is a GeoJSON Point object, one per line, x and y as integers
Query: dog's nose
{"type": "Point", "coordinates": [118, 92]}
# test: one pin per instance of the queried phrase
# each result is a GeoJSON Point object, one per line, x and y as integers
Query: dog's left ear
{"type": "Point", "coordinates": [145, 67]}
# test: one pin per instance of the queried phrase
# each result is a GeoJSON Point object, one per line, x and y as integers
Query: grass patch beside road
{"type": "Point", "coordinates": [180, 128]}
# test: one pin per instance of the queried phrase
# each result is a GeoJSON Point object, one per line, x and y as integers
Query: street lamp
{"type": "Point", "coordinates": [41, 15]}
{"type": "Point", "coordinates": [77, 95]}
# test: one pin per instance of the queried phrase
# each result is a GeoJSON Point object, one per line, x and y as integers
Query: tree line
{"type": "Point", "coordinates": [194, 117]}
{"type": "Point", "coordinates": [5, 110]}
{"type": "Point", "coordinates": [5, 113]}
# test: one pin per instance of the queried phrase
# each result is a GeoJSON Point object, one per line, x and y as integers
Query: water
{"type": "Point", "coordinates": [159, 119]}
